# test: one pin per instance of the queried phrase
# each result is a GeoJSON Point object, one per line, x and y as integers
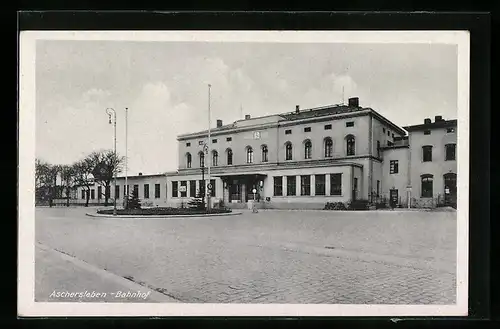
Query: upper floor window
{"type": "Point", "coordinates": [202, 159]}
{"type": "Point", "coordinates": [265, 152]}
{"type": "Point", "coordinates": [288, 132]}
{"type": "Point", "coordinates": [188, 144]}
{"type": "Point", "coordinates": [215, 158]}
{"type": "Point", "coordinates": [427, 186]}
{"type": "Point", "coordinates": [288, 151]}
{"type": "Point", "coordinates": [188, 160]}
{"type": "Point", "coordinates": [427, 132]}
{"type": "Point", "coordinates": [350, 145]}
{"type": "Point", "coordinates": [307, 149]}
{"type": "Point", "coordinates": [229, 155]}
{"type": "Point", "coordinates": [378, 149]}
{"type": "Point", "coordinates": [383, 129]}
{"type": "Point", "coordinates": [328, 147]}
{"type": "Point", "coordinates": [201, 142]}
{"type": "Point", "coordinates": [214, 141]}
{"type": "Point", "coordinates": [389, 133]}
{"type": "Point", "coordinates": [426, 153]}
{"type": "Point", "coordinates": [349, 124]}
{"type": "Point", "coordinates": [249, 154]}
{"type": "Point", "coordinates": [328, 127]}
{"type": "Point", "coordinates": [394, 166]}
{"type": "Point", "coordinates": [450, 130]}
{"type": "Point", "coordinates": [307, 129]}
{"type": "Point", "coordinates": [228, 139]}
{"type": "Point", "coordinates": [450, 152]}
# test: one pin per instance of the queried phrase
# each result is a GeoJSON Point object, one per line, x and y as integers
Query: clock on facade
{"type": "Point", "coordinates": [256, 135]}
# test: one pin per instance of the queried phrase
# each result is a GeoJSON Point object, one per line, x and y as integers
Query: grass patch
{"type": "Point", "coordinates": [162, 211]}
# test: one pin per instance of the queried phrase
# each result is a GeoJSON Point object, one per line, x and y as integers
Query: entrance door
{"type": "Point", "coordinates": [450, 189]}
{"type": "Point", "coordinates": [355, 189]}
{"type": "Point", "coordinates": [394, 197]}
{"type": "Point", "coordinates": [235, 191]}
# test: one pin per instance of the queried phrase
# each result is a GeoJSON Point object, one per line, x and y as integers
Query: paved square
{"type": "Point", "coordinates": [267, 257]}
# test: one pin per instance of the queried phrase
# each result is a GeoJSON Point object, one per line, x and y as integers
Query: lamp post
{"type": "Point", "coordinates": [110, 112]}
{"type": "Point", "coordinates": [205, 150]}
{"type": "Point", "coordinates": [126, 158]}
{"type": "Point", "coordinates": [209, 205]}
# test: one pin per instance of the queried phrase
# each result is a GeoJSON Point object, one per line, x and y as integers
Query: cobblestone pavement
{"type": "Point", "coordinates": [270, 256]}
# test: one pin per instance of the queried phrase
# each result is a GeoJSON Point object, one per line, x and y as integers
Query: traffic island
{"type": "Point", "coordinates": [160, 212]}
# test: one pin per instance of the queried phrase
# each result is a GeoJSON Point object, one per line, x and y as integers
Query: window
{"type": "Point", "coordinates": [229, 154]}
{"type": "Point", "coordinates": [157, 191]}
{"type": "Point", "coordinates": [305, 185]}
{"type": "Point", "coordinates": [378, 188]}
{"type": "Point", "coordinates": [215, 158]}
{"type": "Point", "coordinates": [188, 160]}
{"type": "Point", "coordinates": [307, 129]}
{"type": "Point", "coordinates": [389, 133]}
{"type": "Point", "coordinates": [288, 132]}
{"type": "Point", "coordinates": [291, 185]}
{"type": "Point", "coordinates": [450, 152]}
{"type": "Point", "coordinates": [184, 189]}
{"type": "Point", "coordinates": [328, 147]}
{"type": "Point", "coordinates": [202, 159]}
{"type": "Point", "coordinates": [83, 193]}
{"type": "Point", "coordinates": [136, 191]}
{"type": "Point", "coordinates": [328, 127]}
{"type": "Point", "coordinates": [212, 192]}
{"type": "Point", "coordinates": [427, 153]}
{"type": "Point", "coordinates": [265, 152]}
{"type": "Point", "coordinates": [450, 130]}
{"type": "Point", "coordinates": [393, 135]}
{"type": "Point", "coordinates": [146, 191]}
{"type": "Point", "coordinates": [378, 149]}
{"type": "Point", "coordinates": [249, 154]}
{"type": "Point", "coordinates": [351, 145]}
{"type": "Point", "coordinates": [307, 149]}
{"type": "Point", "coordinates": [427, 181]}
{"type": "Point", "coordinates": [188, 144]}
{"type": "Point", "coordinates": [214, 141]}
{"type": "Point", "coordinates": [389, 143]}
{"type": "Point", "coordinates": [117, 191]}
{"type": "Point", "coordinates": [394, 166]}
{"type": "Point", "coordinates": [107, 192]}
{"type": "Point", "coordinates": [427, 132]}
{"type": "Point", "coordinates": [92, 194]}
{"type": "Point", "coordinates": [383, 129]}
{"type": "Point", "coordinates": [99, 192]}
{"type": "Point", "coordinates": [349, 124]}
{"type": "Point", "coordinates": [175, 189]}
{"type": "Point", "coordinates": [335, 184]}
{"type": "Point", "coordinates": [201, 184]}
{"type": "Point", "coordinates": [200, 143]}
{"type": "Point", "coordinates": [192, 188]}
{"type": "Point", "coordinates": [228, 139]}
{"type": "Point", "coordinates": [319, 184]}
{"type": "Point", "coordinates": [288, 151]}
{"type": "Point", "coordinates": [278, 186]}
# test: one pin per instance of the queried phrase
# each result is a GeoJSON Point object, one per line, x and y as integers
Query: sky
{"type": "Point", "coordinates": [165, 87]}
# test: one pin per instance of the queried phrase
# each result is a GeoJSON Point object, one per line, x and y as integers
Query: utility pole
{"type": "Point", "coordinates": [209, 155]}
{"type": "Point", "coordinates": [126, 157]}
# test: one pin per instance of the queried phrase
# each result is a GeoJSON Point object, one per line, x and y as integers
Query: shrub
{"type": "Point", "coordinates": [196, 203]}
{"type": "Point", "coordinates": [162, 211]}
{"type": "Point", "coordinates": [380, 205]}
{"type": "Point", "coordinates": [335, 206]}
{"type": "Point", "coordinates": [133, 203]}
{"type": "Point", "coordinates": [359, 204]}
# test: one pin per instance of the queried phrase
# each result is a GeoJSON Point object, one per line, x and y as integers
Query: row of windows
{"type": "Point", "coordinates": [448, 131]}
{"type": "Point", "coordinates": [326, 127]}
{"type": "Point", "coordinates": [450, 152]}
{"type": "Point", "coordinates": [305, 185]}
{"type": "Point", "coordinates": [427, 184]}
{"type": "Point", "coordinates": [214, 141]}
{"type": "Point", "coordinates": [181, 188]}
{"type": "Point", "coordinates": [135, 191]}
{"type": "Point", "coordinates": [327, 152]}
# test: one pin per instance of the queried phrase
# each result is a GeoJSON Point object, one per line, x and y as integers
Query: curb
{"type": "Point", "coordinates": [163, 216]}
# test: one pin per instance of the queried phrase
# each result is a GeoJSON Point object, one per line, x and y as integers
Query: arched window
{"type": "Point", "coordinates": [202, 159]}
{"type": "Point", "coordinates": [215, 158]}
{"type": "Point", "coordinates": [188, 160]}
{"type": "Point", "coordinates": [328, 147]}
{"type": "Point", "coordinates": [350, 145]}
{"type": "Point", "coordinates": [427, 186]}
{"type": "Point", "coordinates": [265, 153]}
{"type": "Point", "coordinates": [288, 151]}
{"type": "Point", "coordinates": [307, 149]}
{"type": "Point", "coordinates": [249, 154]}
{"type": "Point", "coordinates": [229, 157]}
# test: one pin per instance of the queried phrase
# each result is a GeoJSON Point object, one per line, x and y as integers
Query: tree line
{"type": "Point", "coordinates": [97, 167]}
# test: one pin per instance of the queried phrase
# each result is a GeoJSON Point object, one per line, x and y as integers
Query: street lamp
{"type": "Point", "coordinates": [110, 111]}
{"type": "Point", "coordinates": [205, 151]}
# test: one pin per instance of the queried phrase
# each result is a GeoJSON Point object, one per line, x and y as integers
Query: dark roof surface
{"type": "Point", "coordinates": [320, 111]}
{"type": "Point", "coordinates": [432, 125]}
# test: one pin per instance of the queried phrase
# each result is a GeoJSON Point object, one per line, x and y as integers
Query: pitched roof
{"type": "Point", "coordinates": [432, 125]}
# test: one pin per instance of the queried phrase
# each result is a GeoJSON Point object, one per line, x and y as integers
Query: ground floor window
{"type": "Point", "coordinates": [83, 194]}
{"type": "Point", "coordinates": [201, 188]}
{"type": "Point", "coordinates": [107, 191]}
{"type": "Point", "coordinates": [291, 185]}
{"type": "Point", "coordinates": [136, 191]}
{"type": "Point", "coordinates": [319, 182]}
{"type": "Point", "coordinates": [99, 192]}
{"type": "Point", "coordinates": [305, 185]}
{"type": "Point", "coordinates": [335, 184]}
{"type": "Point", "coordinates": [117, 191]}
{"type": "Point", "coordinates": [427, 186]}
{"type": "Point", "coordinates": [183, 189]}
{"type": "Point", "coordinates": [278, 186]}
{"type": "Point", "coordinates": [157, 191]}
{"type": "Point", "coordinates": [92, 194]}
{"type": "Point", "coordinates": [192, 188]}
{"type": "Point", "coordinates": [146, 191]}
{"type": "Point", "coordinates": [175, 189]}
{"type": "Point", "coordinates": [212, 192]}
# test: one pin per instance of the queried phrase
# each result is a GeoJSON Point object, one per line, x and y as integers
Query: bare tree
{"type": "Point", "coordinates": [68, 177]}
{"type": "Point", "coordinates": [83, 175]}
{"type": "Point", "coordinates": [46, 181]}
{"type": "Point", "coordinates": [106, 165]}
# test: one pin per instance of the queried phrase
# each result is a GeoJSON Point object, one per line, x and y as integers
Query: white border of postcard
{"type": "Point", "coordinates": [26, 281]}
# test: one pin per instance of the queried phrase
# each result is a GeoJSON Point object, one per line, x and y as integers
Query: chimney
{"type": "Point", "coordinates": [247, 116]}
{"type": "Point", "coordinates": [297, 109]}
{"type": "Point", "coordinates": [219, 123]}
{"type": "Point", "coordinates": [140, 174]}
{"type": "Point", "coordinates": [438, 118]}
{"type": "Point", "coordinates": [354, 101]}
{"type": "Point", "coordinates": [427, 121]}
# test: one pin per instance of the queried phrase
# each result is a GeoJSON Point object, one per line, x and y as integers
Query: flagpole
{"type": "Point", "coordinates": [209, 155]}
{"type": "Point", "coordinates": [126, 157]}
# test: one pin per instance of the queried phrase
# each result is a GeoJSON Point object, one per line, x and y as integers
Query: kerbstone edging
{"type": "Point", "coordinates": [162, 216]}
